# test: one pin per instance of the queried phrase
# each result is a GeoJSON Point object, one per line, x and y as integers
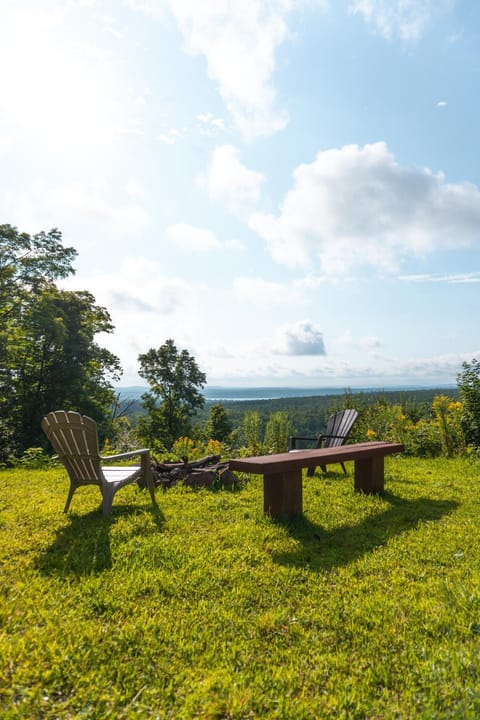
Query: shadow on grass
{"type": "Point", "coordinates": [83, 546]}
{"type": "Point", "coordinates": [326, 549]}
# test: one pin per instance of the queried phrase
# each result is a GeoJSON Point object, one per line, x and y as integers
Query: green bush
{"type": "Point", "coordinates": [33, 458]}
{"type": "Point", "coordinates": [278, 430]}
{"type": "Point", "coordinates": [468, 381]}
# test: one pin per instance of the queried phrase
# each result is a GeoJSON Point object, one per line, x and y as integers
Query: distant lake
{"type": "Point", "coordinates": [216, 394]}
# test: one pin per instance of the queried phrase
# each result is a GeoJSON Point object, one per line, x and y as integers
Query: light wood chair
{"type": "Point", "coordinates": [74, 437]}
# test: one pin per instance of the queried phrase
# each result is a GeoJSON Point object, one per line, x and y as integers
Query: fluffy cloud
{"type": "Point", "coordinates": [138, 284]}
{"type": "Point", "coordinates": [77, 206]}
{"type": "Point", "coordinates": [146, 307]}
{"type": "Point", "coordinates": [238, 40]}
{"type": "Point", "coordinates": [357, 206]}
{"type": "Point", "coordinates": [228, 180]}
{"type": "Point", "coordinates": [188, 237]}
{"type": "Point", "coordinates": [263, 292]}
{"type": "Point", "coordinates": [302, 338]}
{"type": "Point", "coordinates": [130, 216]}
{"type": "Point", "coordinates": [195, 239]}
{"type": "Point", "coordinates": [407, 19]}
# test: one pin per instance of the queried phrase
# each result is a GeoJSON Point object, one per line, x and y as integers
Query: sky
{"type": "Point", "coordinates": [289, 189]}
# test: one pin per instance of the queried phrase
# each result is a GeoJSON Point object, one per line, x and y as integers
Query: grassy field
{"type": "Point", "coordinates": [366, 608]}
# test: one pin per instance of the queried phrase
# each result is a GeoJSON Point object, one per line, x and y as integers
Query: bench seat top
{"type": "Point", "coordinates": [285, 462]}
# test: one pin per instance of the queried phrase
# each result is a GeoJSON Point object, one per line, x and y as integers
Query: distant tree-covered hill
{"type": "Point", "coordinates": [308, 414]}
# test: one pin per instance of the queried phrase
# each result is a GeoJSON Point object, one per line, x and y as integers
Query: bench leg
{"type": "Point", "coordinates": [369, 474]}
{"type": "Point", "coordinates": [282, 494]}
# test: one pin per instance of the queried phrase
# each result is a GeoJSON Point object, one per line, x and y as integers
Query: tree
{"type": "Point", "coordinates": [174, 379]}
{"type": "Point", "coordinates": [277, 431]}
{"type": "Point", "coordinates": [219, 426]}
{"type": "Point", "coordinates": [468, 381]}
{"type": "Point", "coordinates": [48, 355]}
{"type": "Point", "coordinates": [28, 263]}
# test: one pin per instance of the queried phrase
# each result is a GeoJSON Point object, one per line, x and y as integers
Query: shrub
{"type": "Point", "coordinates": [448, 414]}
{"type": "Point", "coordinates": [33, 458]}
{"type": "Point", "coordinates": [278, 430]}
{"type": "Point", "coordinates": [251, 428]}
{"type": "Point", "coordinates": [469, 385]}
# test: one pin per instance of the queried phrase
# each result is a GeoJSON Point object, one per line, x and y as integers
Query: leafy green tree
{"type": "Point", "coordinates": [54, 362]}
{"type": "Point", "coordinates": [48, 355]}
{"type": "Point", "coordinates": [219, 426]}
{"type": "Point", "coordinates": [28, 263]}
{"type": "Point", "coordinates": [174, 379]}
{"type": "Point", "coordinates": [468, 381]}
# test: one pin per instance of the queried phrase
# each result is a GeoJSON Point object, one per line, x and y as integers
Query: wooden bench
{"type": "Point", "coordinates": [282, 473]}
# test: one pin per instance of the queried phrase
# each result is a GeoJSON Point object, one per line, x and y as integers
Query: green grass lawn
{"type": "Point", "coordinates": [368, 607]}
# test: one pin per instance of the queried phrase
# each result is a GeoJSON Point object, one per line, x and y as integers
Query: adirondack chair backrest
{"type": "Point", "coordinates": [339, 425]}
{"type": "Point", "coordinates": [74, 437]}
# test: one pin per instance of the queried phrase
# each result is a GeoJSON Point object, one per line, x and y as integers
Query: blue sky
{"type": "Point", "coordinates": [290, 190]}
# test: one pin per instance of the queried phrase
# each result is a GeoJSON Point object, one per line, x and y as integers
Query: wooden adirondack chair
{"type": "Point", "coordinates": [338, 429]}
{"type": "Point", "coordinates": [74, 437]}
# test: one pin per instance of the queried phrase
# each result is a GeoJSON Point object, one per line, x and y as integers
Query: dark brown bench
{"type": "Point", "coordinates": [282, 473]}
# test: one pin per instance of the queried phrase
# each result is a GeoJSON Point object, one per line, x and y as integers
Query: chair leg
{"type": "Point", "coordinates": [344, 468]}
{"type": "Point", "coordinates": [147, 474]}
{"type": "Point", "coordinates": [311, 471]}
{"type": "Point", "coordinates": [69, 498]}
{"type": "Point", "coordinates": [107, 494]}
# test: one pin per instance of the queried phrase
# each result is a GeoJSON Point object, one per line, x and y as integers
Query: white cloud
{"type": "Point", "coordinates": [211, 125]}
{"type": "Point", "coordinates": [239, 41]}
{"type": "Point", "coordinates": [301, 338]}
{"type": "Point", "coordinates": [188, 237]}
{"type": "Point", "coordinates": [235, 244]}
{"type": "Point", "coordinates": [367, 343]}
{"type": "Point", "coordinates": [138, 285]}
{"type": "Point", "coordinates": [76, 206]}
{"type": "Point", "coordinates": [442, 104]}
{"type": "Point", "coordinates": [320, 371]}
{"type": "Point", "coordinates": [407, 19]}
{"type": "Point", "coordinates": [146, 307]}
{"type": "Point", "coordinates": [263, 292]}
{"type": "Point", "coordinates": [150, 7]}
{"type": "Point", "coordinates": [173, 135]}
{"type": "Point", "coordinates": [356, 206]}
{"type": "Point", "coordinates": [91, 202]}
{"type": "Point", "coordinates": [228, 180]}
{"type": "Point", "coordinates": [452, 278]}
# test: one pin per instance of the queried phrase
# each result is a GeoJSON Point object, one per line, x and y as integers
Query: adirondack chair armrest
{"type": "Point", "coordinates": [301, 437]}
{"type": "Point", "coordinates": [292, 441]}
{"type": "Point", "coordinates": [122, 456]}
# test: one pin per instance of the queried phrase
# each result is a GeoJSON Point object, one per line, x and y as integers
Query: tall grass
{"type": "Point", "coordinates": [367, 607]}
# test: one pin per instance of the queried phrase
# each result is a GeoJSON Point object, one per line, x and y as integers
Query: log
{"type": "Point", "coordinates": [167, 467]}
